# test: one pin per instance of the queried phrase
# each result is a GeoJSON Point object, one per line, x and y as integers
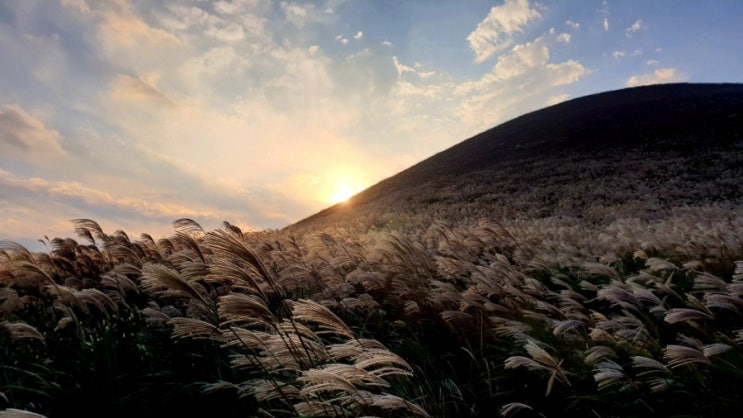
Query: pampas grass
{"type": "Point", "coordinates": [443, 320]}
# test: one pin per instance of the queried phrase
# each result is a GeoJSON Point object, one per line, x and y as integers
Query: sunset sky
{"type": "Point", "coordinates": [135, 113]}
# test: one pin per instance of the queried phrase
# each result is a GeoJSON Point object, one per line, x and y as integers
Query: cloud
{"type": "Point", "coordinates": [358, 35]}
{"type": "Point", "coordinates": [652, 62]}
{"type": "Point", "coordinates": [134, 89]}
{"type": "Point", "coordinates": [567, 72]}
{"type": "Point", "coordinates": [91, 200]}
{"type": "Point", "coordinates": [606, 24]}
{"type": "Point", "coordinates": [493, 33]}
{"type": "Point", "coordinates": [401, 68]}
{"type": "Point", "coordinates": [634, 28]}
{"type": "Point", "coordinates": [229, 32]}
{"type": "Point", "coordinates": [557, 99]}
{"type": "Point", "coordinates": [501, 93]}
{"type": "Point", "coordinates": [24, 218]}
{"type": "Point", "coordinates": [521, 59]}
{"type": "Point", "coordinates": [25, 137]}
{"type": "Point", "coordinates": [80, 5]}
{"type": "Point", "coordinates": [661, 75]}
{"type": "Point", "coordinates": [125, 38]}
{"type": "Point", "coordinates": [564, 38]}
{"type": "Point", "coordinates": [572, 25]}
{"type": "Point", "coordinates": [294, 13]}
{"type": "Point", "coordinates": [617, 54]}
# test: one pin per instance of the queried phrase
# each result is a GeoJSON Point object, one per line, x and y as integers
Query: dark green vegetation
{"type": "Point", "coordinates": [583, 260]}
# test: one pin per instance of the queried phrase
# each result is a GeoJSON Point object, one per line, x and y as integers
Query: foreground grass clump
{"type": "Point", "coordinates": [520, 318]}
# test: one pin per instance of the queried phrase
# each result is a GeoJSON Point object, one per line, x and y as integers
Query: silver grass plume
{"type": "Point", "coordinates": [21, 330]}
{"type": "Point", "coordinates": [608, 373]}
{"type": "Point", "coordinates": [513, 408]}
{"type": "Point", "coordinates": [540, 360]}
{"type": "Point", "coordinates": [238, 308]}
{"type": "Point", "coordinates": [19, 413]}
{"type": "Point", "coordinates": [392, 402]}
{"type": "Point", "coordinates": [166, 282]}
{"type": "Point", "coordinates": [305, 310]}
{"type": "Point", "coordinates": [231, 249]}
{"type": "Point", "coordinates": [681, 355]}
{"type": "Point", "coordinates": [195, 329]}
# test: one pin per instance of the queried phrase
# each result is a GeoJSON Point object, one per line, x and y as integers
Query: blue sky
{"type": "Point", "coordinates": [135, 113]}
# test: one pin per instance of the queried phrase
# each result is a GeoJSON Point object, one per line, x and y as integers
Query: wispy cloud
{"type": "Point", "coordinates": [493, 33]}
{"type": "Point", "coordinates": [604, 12]}
{"type": "Point", "coordinates": [572, 24]}
{"type": "Point", "coordinates": [23, 136]}
{"type": "Point", "coordinates": [134, 89]}
{"type": "Point", "coordinates": [635, 27]}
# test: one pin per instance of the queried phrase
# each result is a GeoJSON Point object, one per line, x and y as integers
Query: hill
{"type": "Point", "coordinates": [636, 152]}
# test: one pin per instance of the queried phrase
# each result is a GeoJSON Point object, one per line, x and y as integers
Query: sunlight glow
{"type": "Point", "coordinates": [344, 193]}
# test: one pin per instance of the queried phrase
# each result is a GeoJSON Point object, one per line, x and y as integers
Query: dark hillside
{"type": "Point", "coordinates": [641, 151]}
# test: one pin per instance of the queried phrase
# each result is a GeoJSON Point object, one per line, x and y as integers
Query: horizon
{"type": "Point", "coordinates": [263, 113]}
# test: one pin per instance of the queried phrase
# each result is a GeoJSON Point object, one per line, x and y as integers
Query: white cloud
{"type": "Point", "coordinates": [652, 62]}
{"type": "Point", "coordinates": [492, 33]}
{"type": "Point", "coordinates": [23, 136]}
{"type": "Point", "coordinates": [358, 35]}
{"type": "Point", "coordinates": [226, 7]}
{"type": "Point", "coordinates": [386, 43]}
{"type": "Point", "coordinates": [637, 52]}
{"type": "Point", "coordinates": [638, 25]}
{"type": "Point", "coordinates": [229, 32]}
{"type": "Point", "coordinates": [572, 25]}
{"type": "Point", "coordinates": [401, 68]}
{"type": "Point", "coordinates": [521, 59]}
{"type": "Point", "coordinates": [557, 99]}
{"type": "Point", "coordinates": [502, 93]}
{"type": "Point", "coordinates": [617, 54]}
{"type": "Point", "coordinates": [426, 74]}
{"type": "Point", "coordinates": [567, 72]}
{"type": "Point", "coordinates": [341, 39]}
{"type": "Point", "coordinates": [126, 39]}
{"type": "Point", "coordinates": [212, 62]}
{"type": "Point", "coordinates": [295, 13]}
{"type": "Point", "coordinates": [564, 37]}
{"type": "Point", "coordinates": [606, 24]}
{"type": "Point", "coordinates": [661, 75]}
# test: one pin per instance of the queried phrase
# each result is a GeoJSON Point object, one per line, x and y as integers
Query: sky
{"type": "Point", "coordinates": [136, 113]}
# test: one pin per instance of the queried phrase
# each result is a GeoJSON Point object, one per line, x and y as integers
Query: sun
{"type": "Point", "coordinates": [344, 192]}
{"type": "Point", "coordinates": [340, 183]}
